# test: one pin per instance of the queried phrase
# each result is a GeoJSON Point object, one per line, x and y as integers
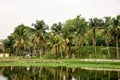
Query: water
{"type": "Point", "coordinates": [59, 73]}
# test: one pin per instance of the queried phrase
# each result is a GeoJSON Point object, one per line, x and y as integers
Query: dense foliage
{"type": "Point", "coordinates": [75, 38]}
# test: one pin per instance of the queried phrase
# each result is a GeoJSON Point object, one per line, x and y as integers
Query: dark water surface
{"type": "Point", "coordinates": [59, 73]}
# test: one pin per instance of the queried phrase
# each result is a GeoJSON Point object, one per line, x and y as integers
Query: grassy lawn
{"type": "Point", "coordinates": [83, 63]}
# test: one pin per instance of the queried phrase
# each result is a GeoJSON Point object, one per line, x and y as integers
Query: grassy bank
{"type": "Point", "coordinates": [86, 52]}
{"type": "Point", "coordinates": [86, 63]}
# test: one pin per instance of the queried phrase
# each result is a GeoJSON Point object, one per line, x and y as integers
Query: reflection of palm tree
{"type": "Point", "coordinates": [2, 70]}
{"type": "Point", "coordinates": [118, 75]}
{"type": "Point", "coordinates": [109, 75]}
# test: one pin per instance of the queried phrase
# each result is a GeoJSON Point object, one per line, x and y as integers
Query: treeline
{"type": "Point", "coordinates": [63, 39]}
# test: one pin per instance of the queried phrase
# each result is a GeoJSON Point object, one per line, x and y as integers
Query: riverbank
{"type": "Point", "coordinates": [84, 63]}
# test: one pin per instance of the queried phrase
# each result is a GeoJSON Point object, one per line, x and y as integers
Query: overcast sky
{"type": "Point", "coordinates": [15, 12]}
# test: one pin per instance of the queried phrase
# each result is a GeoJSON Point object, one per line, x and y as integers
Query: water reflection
{"type": "Point", "coordinates": [59, 73]}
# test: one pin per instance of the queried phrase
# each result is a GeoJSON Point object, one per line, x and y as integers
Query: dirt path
{"type": "Point", "coordinates": [101, 60]}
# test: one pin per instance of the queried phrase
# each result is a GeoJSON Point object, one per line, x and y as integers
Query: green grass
{"type": "Point", "coordinates": [86, 51]}
{"type": "Point", "coordinates": [18, 61]}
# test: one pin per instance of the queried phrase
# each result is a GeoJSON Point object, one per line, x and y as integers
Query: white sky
{"type": "Point", "coordinates": [15, 12]}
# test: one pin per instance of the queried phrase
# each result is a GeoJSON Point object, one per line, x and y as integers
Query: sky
{"type": "Point", "coordinates": [16, 12]}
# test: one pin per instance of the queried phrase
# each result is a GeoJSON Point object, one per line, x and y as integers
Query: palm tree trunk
{"type": "Point", "coordinates": [108, 50]}
{"type": "Point", "coordinates": [76, 41]}
{"type": "Point", "coordinates": [66, 51]}
{"type": "Point", "coordinates": [58, 48]}
{"type": "Point", "coordinates": [61, 52]}
{"type": "Point", "coordinates": [69, 50]}
{"type": "Point", "coordinates": [56, 52]}
{"type": "Point", "coordinates": [94, 42]}
{"type": "Point", "coordinates": [37, 52]}
{"type": "Point", "coordinates": [90, 56]}
{"type": "Point", "coordinates": [80, 52]}
{"type": "Point", "coordinates": [117, 48]}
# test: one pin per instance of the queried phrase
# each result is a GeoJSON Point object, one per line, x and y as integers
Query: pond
{"type": "Point", "coordinates": [57, 73]}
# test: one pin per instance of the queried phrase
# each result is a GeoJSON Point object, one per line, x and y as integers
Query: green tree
{"type": "Point", "coordinates": [68, 36]}
{"type": "Point", "coordinates": [38, 35]}
{"type": "Point", "coordinates": [8, 44]}
{"type": "Point", "coordinates": [116, 32]}
{"type": "Point", "coordinates": [80, 26]}
{"type": "Point", "coordinates": [107, 32]}
{"type": "Point", "coordinates": [55, 41]}
{"type": "Point", "coordinates": [57, 28]}
{"type": "Point", "coordinates": [95, 24]}
{"type": "Point", "coordinates": [21, 40]}
{"type": "Point", "coordinates": [57, 31]}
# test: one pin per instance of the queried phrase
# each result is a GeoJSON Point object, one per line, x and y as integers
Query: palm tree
{"type": "Point", "coordinates": [55, 41]}
{"type": "Point", "coordinates": [38, 35]}
{"type": "Point", "coordinates": [116, 32]}
{"type": "Point", "coordinates": [57, 28]}
{"type": "Point", "coordinates": [80, 26]}
{"type": "Point", "coordinates": [107, 31]}
{"type": "Point", "coordinates": [57, 31]}
{"type": "Point", "coordinates": [95, 24]}
{"type": "Point", "coordinates": [20, 39]}
{"type": "Point", "coordinates": [68, 36]}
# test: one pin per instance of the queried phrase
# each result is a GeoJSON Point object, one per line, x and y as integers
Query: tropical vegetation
{"type": "Point", "coordinates": [76, 38]}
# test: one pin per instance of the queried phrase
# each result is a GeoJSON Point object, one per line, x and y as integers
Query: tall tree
{"type": "Point", "coordinates": [57, 31]}
{"type": "Point", "coordinates": [20, 39]}
{"type": "Point", "coordinates": [68, 36]}
{"type": "Point", "coordinates": [55, 41]}
{"type": "Point", "coordinates": [107, 32]}
{"type": "Point", "coordinates": [38, 37]}
{"type": "Point", "coordinates": [80, 26]}
{"type": "Point", "coordinates": [95, 24]}
{"type": "Point", "coordinates": [116, 32]}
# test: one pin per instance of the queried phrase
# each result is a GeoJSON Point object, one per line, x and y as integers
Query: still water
{"type": "Point", "coordinates": [59, 73]}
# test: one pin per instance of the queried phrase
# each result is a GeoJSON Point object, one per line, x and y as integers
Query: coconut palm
{"type": "Point", "coordinates": [20, 39]}
{"type": "Point", "coordinates": [55, 42]}
{"type": "Point", "coordinates": [80, 26]}
{"type": "Point", "coordinates": [38, 35]}
{"type": "Point", "coordinates": [68, 36]}
{"type": "Point", "coordinates": [116, 32]}
{"type": "Point", "coordinates": [95, 24]}
{"type": "Point", "coordinates": [107, 31]}
{"type": "Point", "coordinates": [57, 31]}
{"type": "Point", "coordinates": [57, 28]}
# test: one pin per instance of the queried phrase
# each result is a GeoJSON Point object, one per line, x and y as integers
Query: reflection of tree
{"type": "Point", "coordinates": [58, 73]}
{"type": "Point", "coordinates": [2, 70]}
{"type": "Point", "coordinates": [23, 73]}
{"type": "Point", "coordinates": [118, 75]}
{"type": "Point", "coordinates": [109, 75]}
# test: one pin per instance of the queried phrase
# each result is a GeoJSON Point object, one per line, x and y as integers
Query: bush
{"type": "Point", "coordinates": [104, 51]}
